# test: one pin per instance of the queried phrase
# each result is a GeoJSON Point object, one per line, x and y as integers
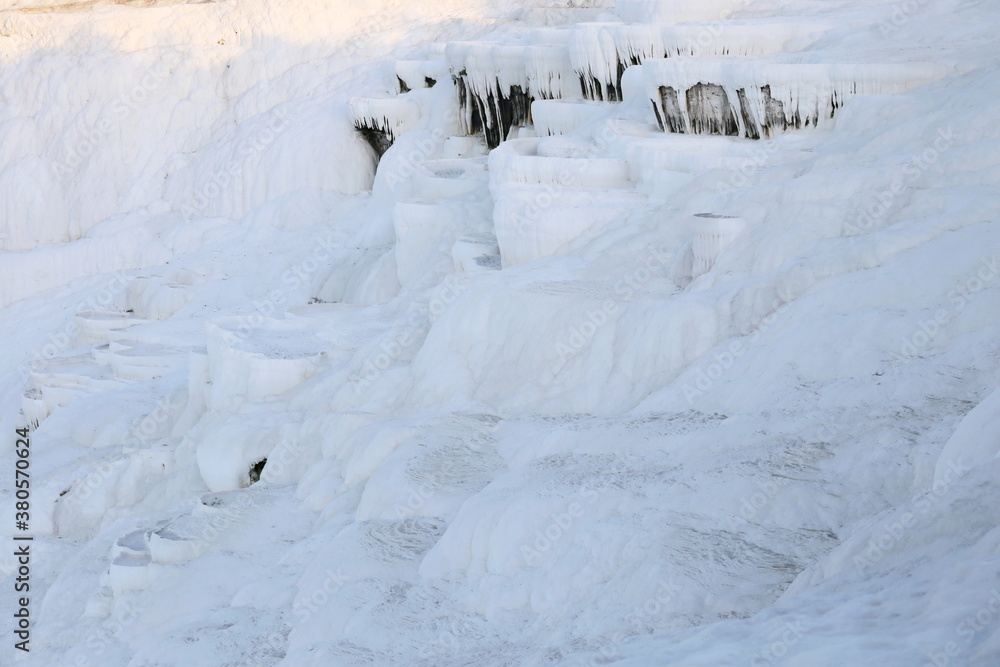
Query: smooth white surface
{"type": "Point", "coordinates": [605, 453]}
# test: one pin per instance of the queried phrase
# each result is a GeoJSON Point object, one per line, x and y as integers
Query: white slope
{"type": "Point", "coordinates": [603, 395]}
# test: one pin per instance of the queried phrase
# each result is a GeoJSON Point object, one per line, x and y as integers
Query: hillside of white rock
{"type": "Point", "coordinates": [500, 332]}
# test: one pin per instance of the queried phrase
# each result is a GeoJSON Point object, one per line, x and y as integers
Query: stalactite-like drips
{"type": "Point", "coordinates": [772, 97]}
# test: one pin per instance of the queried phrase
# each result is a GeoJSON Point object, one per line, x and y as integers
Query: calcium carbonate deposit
{"type": "Point", "coordinates": [499, 332]}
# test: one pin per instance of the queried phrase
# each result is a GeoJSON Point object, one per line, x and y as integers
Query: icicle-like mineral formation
{"type": "Point", "coordinates": [756, 99]}
{"type": "Point", "coordinates": [496, 83]}
{"type": "Point", "coordinates": [549, 73]}
{"type": "Point", "coordinates": [382, 121]}
{"type": "Point", "coordinates": [601, 52]}
{"type": "Point", "coordinates": [492, 85]}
